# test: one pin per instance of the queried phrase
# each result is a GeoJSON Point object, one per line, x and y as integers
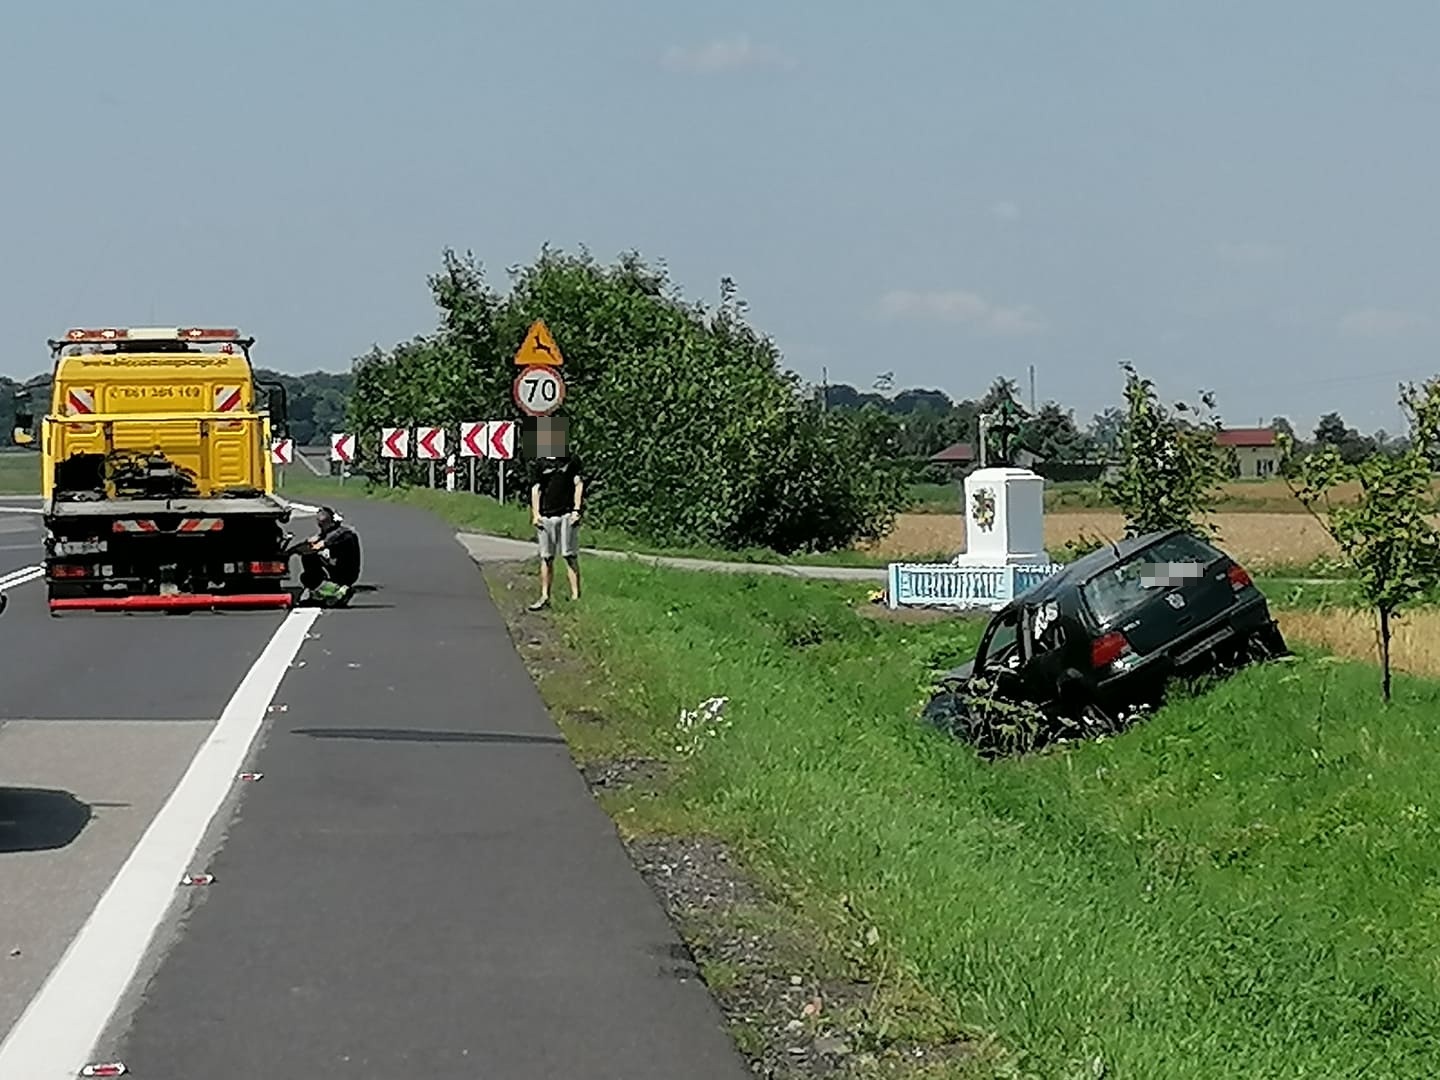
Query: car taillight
{"type": "Point", "coordinates": [1239, 577]}
{"type": "Point", "coordinates": [70, 571]}
{"type": "Point", "coordinates": [1106, 650]}
{"type": "Point", "coordinates": [267, 568]}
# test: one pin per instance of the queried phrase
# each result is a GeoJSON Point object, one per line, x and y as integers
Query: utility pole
{"type": "Point", "coordinates": [1032, 389]}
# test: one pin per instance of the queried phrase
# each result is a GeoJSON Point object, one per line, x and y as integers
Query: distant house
{"type": "Point", "coordinates": [959, 456]}
{"type": "Point", "coordinates": [1257, 451]}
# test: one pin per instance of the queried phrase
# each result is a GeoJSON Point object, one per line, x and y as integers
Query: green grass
{"type": "Point", "coordinates": [19, 473]}
{"type": "Point", "coordinates": [1244, 886]}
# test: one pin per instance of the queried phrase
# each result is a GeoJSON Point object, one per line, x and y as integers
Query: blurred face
{"type": "Point", "coordinates": [545, 438]}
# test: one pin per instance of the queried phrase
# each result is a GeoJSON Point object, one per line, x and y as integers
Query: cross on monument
{"type": "Point", "coordinates": [1005, 427]}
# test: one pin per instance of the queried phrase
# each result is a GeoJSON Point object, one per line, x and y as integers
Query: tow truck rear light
{"type": "Point", "coordinates": [155, 333]}
{"type": "Point", "coordinates": [95, 335]}
{"type": "Point", "coordinates": [267, 568]}
{"type": "Point", "coordinates": [1105, 650]}
{"type": "Point", "coordinates": [1239, 577]}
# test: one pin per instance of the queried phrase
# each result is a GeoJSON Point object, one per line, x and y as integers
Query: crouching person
{"type": "Point", "coordinates": [330, 561]}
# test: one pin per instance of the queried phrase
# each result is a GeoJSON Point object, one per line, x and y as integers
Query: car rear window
{"type": "Point", "coordinates": [1119, 590]}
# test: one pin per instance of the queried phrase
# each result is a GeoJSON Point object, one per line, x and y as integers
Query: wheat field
{"type": "Point", "coordinates": [1414, 637]}
{"type": "Point", "coordinates": [1256, 539]}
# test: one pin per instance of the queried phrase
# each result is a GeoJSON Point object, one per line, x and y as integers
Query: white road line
{"type": "Point", "coordinates": [54, 1037]}
{"type": "Point", "coordinates": [21, 576]}
{"type": "Point", "coordinates": [34, 511]}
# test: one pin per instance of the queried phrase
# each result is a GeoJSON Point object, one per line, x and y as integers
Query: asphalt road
{"type": "Point", "coordinates": [419, 884]}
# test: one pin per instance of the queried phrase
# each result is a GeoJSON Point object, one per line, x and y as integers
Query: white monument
{"type": "Point", "coordinates": [1004, 519]}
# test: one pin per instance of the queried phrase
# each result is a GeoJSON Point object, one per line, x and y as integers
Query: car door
{"type": "Point", "coordinates": [1044, 634]}
{"type": "Point", "coordinates": [1001, 654]}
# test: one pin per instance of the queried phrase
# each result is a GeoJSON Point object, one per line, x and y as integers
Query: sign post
{"type": "Point", "coordinates": [430, 446]}
{"type": "Point", "coordinates": [282, 452]}
{"type": "Point", "coordinates": [394, 446]}
{"type": "Point", "coordinates": [539, 389]}
{"type": "Point", "coordinates": [500, 444]}
{"type": "Point", "coordinates": [472, 444]}
{"type": "Point", "coordinates": [342, 449]}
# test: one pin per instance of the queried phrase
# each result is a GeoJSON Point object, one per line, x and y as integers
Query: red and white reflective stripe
{"type": "Point", "coordinates": [79, 402]}
{"type": "Point", "coordinates": [227, 398]}
{"type": "Point", "coordinates": [202, 525]}
{"type": "Point", "coordinates": [135, 525]}
{"type": "Point", "coordinates": [109, 1068]}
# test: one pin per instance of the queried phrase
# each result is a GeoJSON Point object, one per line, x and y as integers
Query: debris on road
{"type": "Point", "coordinates": [112, 1068]}
{"type": "Point", "coordinates": [198, 879]}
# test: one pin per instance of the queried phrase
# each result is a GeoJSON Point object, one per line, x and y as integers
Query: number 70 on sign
{"type": "Point", "coordinates": [539, 391]}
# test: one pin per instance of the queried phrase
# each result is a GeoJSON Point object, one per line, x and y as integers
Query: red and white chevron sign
{"type": "Point", "coordinates": [430, 443]}
{"type": "Point", "coordinates": [282, 452]}
{"type": "Point", "coordinates": [500, 439]}
{"type": "Point", "coordinates": [472, 439]}
{"type": "Point", "coordinates": [342, 448]}
{"type": "Point", "coordinates": [395, 442]}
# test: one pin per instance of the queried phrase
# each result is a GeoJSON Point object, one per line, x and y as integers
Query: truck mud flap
{"type": "Point", "coordinates": [177, 602]}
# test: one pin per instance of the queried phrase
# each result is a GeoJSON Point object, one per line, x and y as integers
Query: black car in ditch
{"type": "Point", "coordinates": [1106, 633]}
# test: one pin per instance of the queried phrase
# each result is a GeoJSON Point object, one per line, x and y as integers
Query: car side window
{"type": "Point", "coordinates": [1002, 644]}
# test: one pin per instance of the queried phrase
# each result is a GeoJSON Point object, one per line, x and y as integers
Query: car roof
{"type": "Point", "coordinates": [1088, 565]}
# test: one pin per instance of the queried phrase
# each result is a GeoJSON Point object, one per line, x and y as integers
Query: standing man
{"type": "Point", "coordinates": [555, 509]}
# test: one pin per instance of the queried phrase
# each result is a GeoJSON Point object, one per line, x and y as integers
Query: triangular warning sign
{"type": "Point", "coordinates": [538, 347]}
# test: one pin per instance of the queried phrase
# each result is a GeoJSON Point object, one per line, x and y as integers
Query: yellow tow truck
{"type": "Point", "coordinates": [156, 473]}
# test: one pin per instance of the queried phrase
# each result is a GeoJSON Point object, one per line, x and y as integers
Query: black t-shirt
{"type": "Point", "coordinates": [343, 543]}
{"type": "Point", "coordinates": [556, 477]}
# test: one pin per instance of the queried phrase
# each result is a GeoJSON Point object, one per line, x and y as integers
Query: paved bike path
{"type": "Point", "coordinates": [421, 884]}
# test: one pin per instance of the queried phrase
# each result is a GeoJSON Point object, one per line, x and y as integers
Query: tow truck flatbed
{"type": "Point", "coordinates": [259, 504]}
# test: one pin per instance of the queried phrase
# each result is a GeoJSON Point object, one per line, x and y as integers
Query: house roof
{"type": "Point", "coordinates": [960, 452]}
{"type": "Point", "coordinates": [1246, 437]}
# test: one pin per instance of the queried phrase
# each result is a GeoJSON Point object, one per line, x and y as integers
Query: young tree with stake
{"type": "Point", "coordinates": [1385, 535]}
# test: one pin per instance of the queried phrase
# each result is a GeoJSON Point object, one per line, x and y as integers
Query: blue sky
{"type": "Point", "coordinates": [1235, 195]}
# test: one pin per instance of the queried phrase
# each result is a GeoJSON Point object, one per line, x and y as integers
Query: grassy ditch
{"type": "Point", "coordinates": [1241, 887]}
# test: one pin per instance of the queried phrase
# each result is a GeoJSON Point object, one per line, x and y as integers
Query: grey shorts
{"type": "Point", "coordinates": [558, 532]}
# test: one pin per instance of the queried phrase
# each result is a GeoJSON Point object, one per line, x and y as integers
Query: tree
{"type": "Point", "coordinates": [1107, 430]}
{"type": "Point", "coordinates": [1051, 434]}
{"type": "Point", "coordinates": [1385, 534]}
{"type": "Point", "coordinates": [1171, 465]}
{"type": "Point", "coordinates": [689, 428]}
{"type": "Point", "coordinates": [1347, 441]}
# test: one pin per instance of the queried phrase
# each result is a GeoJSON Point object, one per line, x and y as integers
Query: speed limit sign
{"type": "Point", "coordinates": [539, 391]}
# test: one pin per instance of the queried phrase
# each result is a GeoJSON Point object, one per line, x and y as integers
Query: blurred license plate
{"type": "Point", "coordinates": [80, 547]}
{"type": "Point", "coordinates": [1208, 643]}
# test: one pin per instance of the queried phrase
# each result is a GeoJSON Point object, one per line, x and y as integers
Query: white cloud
{"type": "Point", "coordinates": [966, 308]}
{"type": "Point", "coordinates": [1005, 210]}
{"type": "Point", "coordinates": [1249, 252]}
{"type": "Point", "coordinates": [724, 54]}
{"type": "Point", "coordinates": [1373, 322]}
